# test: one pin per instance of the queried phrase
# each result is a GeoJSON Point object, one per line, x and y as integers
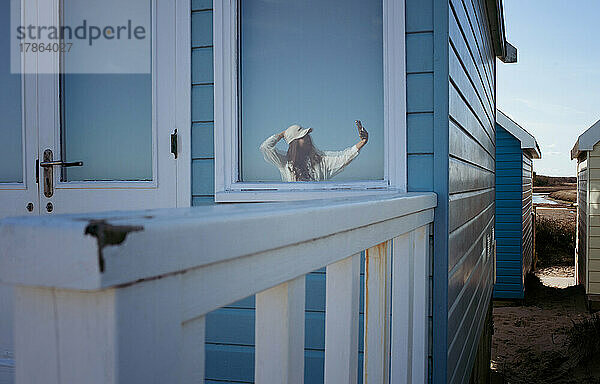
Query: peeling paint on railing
{"type": "Point", "coordinates": [108, 234]}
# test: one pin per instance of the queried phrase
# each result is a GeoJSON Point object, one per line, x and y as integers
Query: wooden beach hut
{"type": "Point", "coordinates": [515, 150]}
{"type": "Point", "coordinates": [587, 250]}
{"type": "Point", "coordinates": [384, 271]}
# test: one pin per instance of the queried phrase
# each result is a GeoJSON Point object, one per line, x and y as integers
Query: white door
{"type": "Point", "coordinates": [105, 139]}
{"type": "Point", "coordinates": [81, 142]}
{"type": "Point", "coordinates": [18, 148]}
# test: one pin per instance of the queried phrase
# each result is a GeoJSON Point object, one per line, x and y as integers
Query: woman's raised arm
{"type": "Point", "coordinates": [270, 153]}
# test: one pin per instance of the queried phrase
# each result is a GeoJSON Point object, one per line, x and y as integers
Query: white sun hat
{"type": "Point", "coordinates": [295, 132]}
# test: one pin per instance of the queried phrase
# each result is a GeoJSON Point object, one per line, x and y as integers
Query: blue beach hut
{"type": "Point", "coordinates": [515, 150]}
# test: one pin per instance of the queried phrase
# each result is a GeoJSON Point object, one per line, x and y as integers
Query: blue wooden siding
{"type": "Point", "coordinates": [420, 111]}
{"type": "Point", "coordinates": [471, 183]}
{"type": "Point", "coordinates": [527, 209]}
{"type": "Point", "coordinates": [203, 157]}
{"type": "Point", "coordinates": [509, 216]}
{"type": "Point", "coordinates": [419, 91]}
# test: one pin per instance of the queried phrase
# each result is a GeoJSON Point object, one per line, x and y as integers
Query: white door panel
{"type": "Point", "coordinates": [45, 124]}
{"type": "Point", "coordinates": [118, 125]}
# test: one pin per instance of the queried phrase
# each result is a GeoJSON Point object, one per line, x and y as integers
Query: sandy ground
{"type": "Point", "coordinates": [530, 343]}
{"type": "Point", "coordinates": [531, 338]}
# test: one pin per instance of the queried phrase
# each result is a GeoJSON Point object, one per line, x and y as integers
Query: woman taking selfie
{"type": "Point", "coordinates": [305, 162]}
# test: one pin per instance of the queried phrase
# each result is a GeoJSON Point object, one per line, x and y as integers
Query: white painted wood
{"type": "Point", "coordinates": [129, 335]}
{"type": "Point", "coordinates": [143, 317]}
{"type": "Point", "coordinates": [394, 88]}
{"type": "Point", "coordinates": [54, 251]}
{"type": "Point", "coordinates": [420, 304]}
{"type": "Point", "coordinates": [410, 289]}
{"type": "Point", "coordinates": [341, 321]}
{"type": "Point", "coordinates": [377, 314]}
{"type": "Point", "coordinates": [183, 100]}
{"type": "Point", "coordinates": [170, 30]}
{"type": "Point", "coordinates": [14, 197]}
{"type": "Point", "coordinates": [402, 308]}
{"type": "Point", "coordinates": [268, 269]}
{"type": "Point", "coordinates": [279, 356]}
{"type": "Point", "coordinates": [35, 336]}
{"type": "Point", "coordinates": [526, 139]}
{"type": "Point", "coordinates": [227, 186]}
{"type": "Point", "coordinates": [193, 352]}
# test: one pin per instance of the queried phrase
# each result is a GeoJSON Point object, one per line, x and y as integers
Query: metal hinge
{"type": "Point", "coordinates": [174, 143]}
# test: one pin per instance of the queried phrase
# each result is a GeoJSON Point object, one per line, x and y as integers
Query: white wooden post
{"type": "Point", "coordinates": [410, 288]}
{"type": "Point", "coordinates": [341, 321]}
{"type": "Point", "coordinates": [420, 304]}
{"type": "Point", "coordinates": [279, 353]}
{"type": "Point", "coordinates": [120, 335]}
{"type": "Point", "coordinates": [377, 314]}
{"type": "Point", "coordinates": [193, 353]}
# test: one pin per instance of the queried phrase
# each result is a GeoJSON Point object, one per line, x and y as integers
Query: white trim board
{"type": "Point", "coordinates": [183, 91]}
{"type": "Point", "coordinates": [227, 186]}
{"type": "Point", "coordinates": [587, 140]}
{"type": "Point", "coordinates": [527, 140]}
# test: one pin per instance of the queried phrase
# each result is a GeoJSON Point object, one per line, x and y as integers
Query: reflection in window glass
{"type": "Point", "coordinates": [308, 70]}
{"type": "Point", "coordinates": [106, 118]}
{"type": "Point", "coordinates": [107, 124]}
{"type": "Point", "coordinates": [11, 144]}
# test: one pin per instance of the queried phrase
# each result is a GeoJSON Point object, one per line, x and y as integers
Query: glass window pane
{"type": "Point", "coordinates": [107, 124]}
{"type": "Point", "coordinates": [11, 144]}
{"type": "Point", "coordinates": [317, 64]}
{"type": "Point", "coordinates": [106, 118]}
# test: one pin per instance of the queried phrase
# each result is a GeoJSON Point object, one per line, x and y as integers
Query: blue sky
{"type": "Point", "coordinates": [554, 89]}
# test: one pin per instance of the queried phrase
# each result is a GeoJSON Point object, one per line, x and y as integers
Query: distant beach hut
{"type": "Point", "coordinates": [587, 249]}
{"type": "Point", "coordinates": [515, 150]}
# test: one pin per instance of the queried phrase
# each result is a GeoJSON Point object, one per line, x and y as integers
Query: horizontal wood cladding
{"type": "Point", "coordinates": [202, 103]}
{"type": "Point", "coordinates": [468, 236]}
{"type": "Point", "coordinates": [464, 117]}
{"type": "Point", "coordinates": [464, 146]}
{"type": "Point", "coordinates": [467, 206]}
{"type": "Point", "coordinates": [466, 177]}
{"type": "Point", "coordinates": [472, 181]}
{"type": "Point", "coordinates": [462, 271]}
{"type": "Point", "coordinates": [527, 239]}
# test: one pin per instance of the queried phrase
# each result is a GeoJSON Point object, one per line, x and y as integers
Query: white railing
{"type": "Point", "coordinates": [122, 297]}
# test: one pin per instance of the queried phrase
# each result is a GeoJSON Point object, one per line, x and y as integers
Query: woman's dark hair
{"type": "Point", "coordinates": [301, 158]}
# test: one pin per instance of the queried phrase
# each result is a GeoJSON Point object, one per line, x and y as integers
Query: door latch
{"type": "Point", "coordinates": [48, 164]}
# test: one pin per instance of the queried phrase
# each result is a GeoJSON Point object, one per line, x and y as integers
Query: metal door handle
{"type": "Point", "coordinates": [50, 164]}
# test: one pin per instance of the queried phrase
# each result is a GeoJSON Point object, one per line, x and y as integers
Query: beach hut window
{"type": "Point", "coordinates": [305, 103]}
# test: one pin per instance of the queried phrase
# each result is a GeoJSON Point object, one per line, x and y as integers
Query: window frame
{"type": "Point", "coordinates": [226, 117]}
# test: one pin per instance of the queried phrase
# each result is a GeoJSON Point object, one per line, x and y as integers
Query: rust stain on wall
{"type": "Point", "coordinates": [378, 253]}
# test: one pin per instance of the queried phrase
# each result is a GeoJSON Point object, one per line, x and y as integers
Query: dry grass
{"type": "Point", "coordinates": [554, 241]}
{"type": "Point", "coordinates": [569, 195]}
{"type": "Point", "coordinates": [554, 188]}
{"type": "Point", "coordinates": [584, 338]}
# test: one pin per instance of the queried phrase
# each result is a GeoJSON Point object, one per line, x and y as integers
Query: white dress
{"type": "Point", "coordinates": [332, 162]}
